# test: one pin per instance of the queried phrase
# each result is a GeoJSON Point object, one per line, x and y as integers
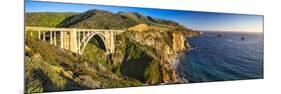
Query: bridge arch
{"type": "Point", "coordinates": [85, 41]}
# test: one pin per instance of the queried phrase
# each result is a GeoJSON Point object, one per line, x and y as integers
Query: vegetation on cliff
{"type": "Point", "coordinates": [50, 68]}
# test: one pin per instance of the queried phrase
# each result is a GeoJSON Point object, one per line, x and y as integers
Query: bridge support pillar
{"type": "Point", "coordinates": [66, 40]}
{"type": "Point", "coordinates": [55, 38]}
{"type": "Point", "coordinates": [112, 43]}
{"type": "Point", "coordinates": [78, 42]}
{"type": "Point", "coordinates": [51, 37]}
{"type": "Point", "coordinates": [39, 35]}
{"type": "Point", "coordinates": [44, 36]}
{"type": "Point", "coordinates": [109, 41]}
{"type": "Point", "coordinates": [31, 34]}
{"type": "Point", "coordinates": [73, 41]}
{"type": "Point", "coordinates": [61, 39]}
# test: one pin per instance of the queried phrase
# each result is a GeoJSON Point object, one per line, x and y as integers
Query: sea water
{"type": "Point", "coordinates": [225, 57]}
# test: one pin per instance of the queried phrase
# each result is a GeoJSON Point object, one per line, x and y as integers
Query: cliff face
{"type": "Point", "coordinates": [179, 42]}
{"type": "Point", "coordinates": [162, 47]}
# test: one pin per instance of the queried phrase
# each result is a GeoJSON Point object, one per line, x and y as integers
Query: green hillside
{"type": "Point", "coordinates": [147, 19]}
{"type": "Point", "coordinates": [46, 19]}
{"type": "Point", "coordinates": [95, 19]}
{"type": "Point", "coordinates": [98, 19]}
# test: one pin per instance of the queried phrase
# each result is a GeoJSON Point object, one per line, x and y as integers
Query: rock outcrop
{"type": "Point", "coordinates": [166, 45]}
{"type": "Point", "coordinates": [179, 42]}
{"type": "Point", "coordinates": [140, 28]}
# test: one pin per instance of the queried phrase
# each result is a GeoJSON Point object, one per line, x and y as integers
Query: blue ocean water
{"type": "Point", "coordinates": [223, 58]}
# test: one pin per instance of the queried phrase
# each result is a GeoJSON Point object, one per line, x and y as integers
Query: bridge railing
{"type": "Point", "coordinates": [31, 28]}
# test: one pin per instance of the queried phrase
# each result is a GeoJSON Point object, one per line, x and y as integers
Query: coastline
{"type": "Point", "coordinates": [179, 69]}
{"type": "Point", "coordinates": [179, 66]}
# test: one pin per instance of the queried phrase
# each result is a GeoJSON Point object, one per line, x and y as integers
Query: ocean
{"type": "Point", "coordinates": [223, 58]}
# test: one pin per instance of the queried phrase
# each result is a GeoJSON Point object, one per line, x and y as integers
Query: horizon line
{"type": "Point", "coordinates": [228, 31]}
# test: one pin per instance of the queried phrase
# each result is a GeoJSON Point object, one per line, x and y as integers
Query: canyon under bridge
{"type": "Point", "coordinates": [74, 39]}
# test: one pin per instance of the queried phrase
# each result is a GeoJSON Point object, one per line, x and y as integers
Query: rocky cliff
{"type": "Point", "coordinates": [166, 46]}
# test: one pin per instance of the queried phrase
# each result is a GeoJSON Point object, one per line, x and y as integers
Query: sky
{"type": "Point", "coordinates": [202, 21]}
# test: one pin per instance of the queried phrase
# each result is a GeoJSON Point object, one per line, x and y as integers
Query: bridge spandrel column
{"type": "Point", "coordinates": [73, 40]}
{"type": "Point", "coordinates": [51, 37]}
{"type": "Point", "coordinates": [31, 34]}
{"type": "Point", "coordinates": [44, 36]}
{"type": "Point", "coordinates": [39, 34]}
{"type": "Point", "coordinates": [112, 43]}
{"type": "Point", "coordinates": [66, 40]}
{"type": "Point", "coordinates": [55, 38]}
{"type": "Point", "coordinates": [109, 41]}
{"type": "Point", "coordinates": [61, 39]}
{"type": "Point", "coordinates": [78, 42]}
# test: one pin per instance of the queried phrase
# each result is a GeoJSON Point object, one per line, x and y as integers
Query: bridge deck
{"type": "Point", "coordinates": [31, 28]}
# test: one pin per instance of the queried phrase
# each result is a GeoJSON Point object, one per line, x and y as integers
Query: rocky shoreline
{"type": "Point", "coordinates": [179, 69]}
{"type": "Point", "coordinates": [179, 66]}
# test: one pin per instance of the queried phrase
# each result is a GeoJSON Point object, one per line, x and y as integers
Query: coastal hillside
{"type": "Point", "coordinates": [144, 54]}
{"type": "Point", "coordinates": [46, 19]}
{"type": "Point", "coordinates": [49, 68]}
{"type": "Point", "coordinates": [98, 19]}
{"type": "Point", "coordinates": [148, 19]}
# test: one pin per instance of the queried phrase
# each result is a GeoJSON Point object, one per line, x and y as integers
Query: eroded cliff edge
{"type": "Point", "coordinates": [162, 47]}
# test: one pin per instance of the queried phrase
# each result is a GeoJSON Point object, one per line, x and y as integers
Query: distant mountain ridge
{"type": "Point", "coordinates": [97, 19]}
{"type": "Point", "coordinates": [146, 19]}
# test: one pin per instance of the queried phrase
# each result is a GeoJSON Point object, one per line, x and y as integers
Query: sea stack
{"type": "Point", "coordinates": [219, 35]}
{"type": "Point", "coordinates": [201, 33]}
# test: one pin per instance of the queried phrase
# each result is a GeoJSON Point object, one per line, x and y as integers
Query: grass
{"type": "Point", "coordinates": [49, 68]}
{"type": "Point", "coordinates": [46, 19]}
{"type": "Point", "coordinates": [152, 73]}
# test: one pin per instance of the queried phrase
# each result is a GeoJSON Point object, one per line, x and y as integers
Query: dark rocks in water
{"type": "Point", "coordinates": [242, 38]}
{"type": "Point", "coordinates": [219, 35]}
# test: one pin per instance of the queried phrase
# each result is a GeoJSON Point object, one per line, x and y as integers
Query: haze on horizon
{"type": "Point", "coordinates": [201, 21]}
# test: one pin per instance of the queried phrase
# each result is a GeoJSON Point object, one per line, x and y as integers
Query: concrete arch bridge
{"type": "Point", "coordinates": [74, 39]}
